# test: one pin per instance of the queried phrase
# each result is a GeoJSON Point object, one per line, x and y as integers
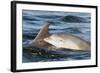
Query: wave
{"type": "Point", "coordinates": [74, 19]}
{"type": "Point", "coordinates": [55, 55]}
{"type": "Point", "coordinates": [48, 16]}
{"type": "Point", "coordinates": [30, 18]}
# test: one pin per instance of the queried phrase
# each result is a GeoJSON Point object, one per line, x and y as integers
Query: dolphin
{"type": "Point", "coordinates": [59, 40]}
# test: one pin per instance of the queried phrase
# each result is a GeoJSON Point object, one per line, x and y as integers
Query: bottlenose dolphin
{"type": "Point", "coordinates": [46, 40]}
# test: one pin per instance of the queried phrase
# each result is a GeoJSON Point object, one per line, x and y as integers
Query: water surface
{"type": "Point", "coordinates": [74, 23]}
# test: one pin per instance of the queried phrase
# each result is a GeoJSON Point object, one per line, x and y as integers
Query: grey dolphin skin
{"type": "Point", "coordinates": [39, 40]}
{"type": "Point", "coordinates": [58, 41]}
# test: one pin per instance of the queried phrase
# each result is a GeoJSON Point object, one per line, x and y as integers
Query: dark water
{"type": "Point", "coordinates": [67, 22]}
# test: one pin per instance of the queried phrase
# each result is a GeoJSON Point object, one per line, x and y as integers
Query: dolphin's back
{"type": "Point", "coordinates": [82, 44]}
{"type": "Point", "coordinates": [68, 41]}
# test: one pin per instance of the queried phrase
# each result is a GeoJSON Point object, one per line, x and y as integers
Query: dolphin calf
{"type": "Point", "coordinates": [57, 41]}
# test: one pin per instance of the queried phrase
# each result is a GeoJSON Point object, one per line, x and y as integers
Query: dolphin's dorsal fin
{"type": "Point", "coordinates": [43, 33]}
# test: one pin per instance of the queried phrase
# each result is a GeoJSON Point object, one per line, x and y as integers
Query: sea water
{"type": "Point", "coordinates": [75, 23]}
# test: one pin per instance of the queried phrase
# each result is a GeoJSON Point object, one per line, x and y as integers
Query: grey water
{"type": "Point", "coordinates": [75, 23]}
